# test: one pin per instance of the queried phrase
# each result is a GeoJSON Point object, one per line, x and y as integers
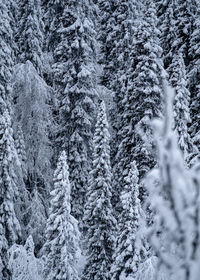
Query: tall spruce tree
{"type": "Point", "coordinates": [30, 34]}
{"type": "Point", "coordinates": [6, 50]}
{"type": "Point", "coordinates": [181, 105]}
{"type": "Point", "coordinates": [75, 79]}
{"type": "Point", "coordinates": [99, 221]}
{"type": "Point", "coordinates": [142, 100]}
{"type": "Point", "coordinates": [130, 250]}
{"type": "Point", "coordinates": [10, 230]}
{"type": "Point", "coordinates": [176, 25]}
{"type": "Point", "coordinates": [115, 53]}
{"type": "Point", "coordinates": [62, 235]}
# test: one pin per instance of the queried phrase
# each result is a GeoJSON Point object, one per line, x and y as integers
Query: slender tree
{"type": "Point", "coordinates": [181, 105]}
{"type": "Point", "coordinates": [142, 100]}
{"type": "Point", "coordinates": [99, 221]}
{"type": "Point", "coordinates": [10, 230]}
{"type": "Point", "coordinates": [62, 235]}
{"type": "Point", "coordinates": [30, 34]}
{"type": "Point", "coordinates": [130, 250]}
{"type": "Point", "coordinates": [75, 78]}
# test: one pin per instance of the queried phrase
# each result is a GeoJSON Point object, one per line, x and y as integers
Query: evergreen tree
{"type": "Point", "coordinates": [176, 25]}
{"type": "Point", "coordinates": [142, 100]}
{"type": "Point", "coordinates": [6, 50]}
{"type": "Point", "coordinates": [10, 230]}
{"type": "Point", "coordinates": [62, 235]}
{"type": "Point", "coordinates": [116, 38]}
{"type": "Point", "coordinates": [106, 21]}
{"type": "Point", "coordinates": [129, 250]}
{"type": "Point", "coordinates": [181, 105]}
{"type": "Point", "coordinates": [75, 79]}
{"type": "Point", "coordinates": [98, 217]}
{"type": "Point", "coordinates": [30, 34]}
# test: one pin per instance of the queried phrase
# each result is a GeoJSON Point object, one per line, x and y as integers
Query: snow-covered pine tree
{"type": "Point", "coordinates": [106, 21]}
{"type": "Point", "coordinates": [30, 34]}
{"type": "Point", "coordinates": [116, 38]}
{"type": "Point", "coordinates": [176, 25]}
{"type": "Point", "coordinates": [10, 230]}
{"type": "Point", "coordinates": [145, 81]}
{"type": "Point", "coordinates": [75, 80]}
{"type": "Point", "coordinates": [130, 250]}
{"type": "Point", "coordinates": [62, 235]}
{"type": "Point", "coordinates": [142, 99]}
{"type": "Point", "coordinates": [181, 105]}
{"type": "Point", "coordinates": [6, 50]}
{"type": "Point", "coordinates": [98, 219]}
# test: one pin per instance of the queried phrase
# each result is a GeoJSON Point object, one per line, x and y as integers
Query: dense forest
{"type": "Point", "coordinates": [99, 139]}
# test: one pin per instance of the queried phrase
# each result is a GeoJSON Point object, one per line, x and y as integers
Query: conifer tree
{"type": "Point", "coordinates": [30, 34]}
{"type": "Point", "coordinates": [116, 38]}
{"type": "Point", "coordinates": [129, 250]}
{"type": "Point", "coordinates": [176, 25]}
{"type": "Point", "coordinates": [10, 230]}
{"type": "Point", "coordinates": [6, 50]}
{"type": "Point", "coordinates": [62, 235]}
{"type": "Point", "coordinates": [181, 105]}
{"type": "Point", "coordinates": [99, 221]}
{"type": "Point", "coordinates": [75, 79]}
{"type": "Point", "coordinates": [142, 100]}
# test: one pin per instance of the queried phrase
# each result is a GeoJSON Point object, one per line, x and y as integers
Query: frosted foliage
{"type": "Point", "coordinates": [62, 235]}
{"type": "Point", "coordinates": [21, 150]}
{"type": "Point", "coordinates": [173, 194]}
{"type": "Point", "coordinates": [31, 98]}
{"type": "Point", "coordinates": [37, 217]}
{"type": "Point", "coordinates": [75, 73]}
{"type": "Point", "coordinates": [10, 229]}
{"type": "Point", "coordinates": [99, 221]}
{"type": "Point", "coordinates": [148, 271]}
{"type": "Point", "coordinates": [30, 34]}
{"type": "Point", "coordinates": [130, 247]}
{"type": "Point", "coordinates": [142, 99]}
{"type": "Point", "coordinates": [22, 262]}
{"type": "Point", "coordinates": [181, 104]}
{"type": "Point", "coordinates": [6, 52]}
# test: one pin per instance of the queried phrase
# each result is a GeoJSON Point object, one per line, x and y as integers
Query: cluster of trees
{"type": "Point", "coordinates": [99, 157]}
